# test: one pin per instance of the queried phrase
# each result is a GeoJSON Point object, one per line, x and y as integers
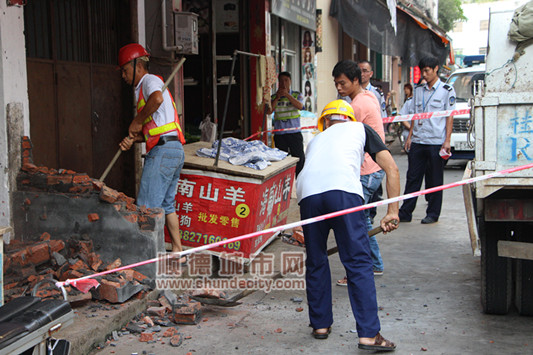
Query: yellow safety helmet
{"type": "Point", "coordinates": [337, 107]}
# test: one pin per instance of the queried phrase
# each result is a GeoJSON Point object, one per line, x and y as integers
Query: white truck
{"type": "Point", "coordinates": [500, 210]}
{"type": "Point", "coordinates": [464, 81]}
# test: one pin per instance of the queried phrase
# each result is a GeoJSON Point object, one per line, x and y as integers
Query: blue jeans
{"type": "Point", "coordinates": [371, 183]}
{"type": "Point", "coordinates": [160, 176]}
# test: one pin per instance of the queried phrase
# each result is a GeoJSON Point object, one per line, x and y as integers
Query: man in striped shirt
{"type": "Point", "coordinates": [286, 105]}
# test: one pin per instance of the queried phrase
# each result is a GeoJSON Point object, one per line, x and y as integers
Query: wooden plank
{"type": "Point", "coordinates": [5, 229]}
{"type": "Point", "coordinates": [515, 250]}
{"type": "Point", "coordinates": [470, 215]}
{"type": "Point", "coordinates": [192, 161]}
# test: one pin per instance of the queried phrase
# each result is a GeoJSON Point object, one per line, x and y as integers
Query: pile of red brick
{"type": "Point", "coordinates": [29, 265]}
{"type": "Point", "coordinates": [43, 179]}
{"type": "Point", "coordinates": [167, 311]}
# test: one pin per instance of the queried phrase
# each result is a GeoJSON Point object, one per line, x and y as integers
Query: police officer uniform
{"type": "Point", "coordinates": [426, 142]}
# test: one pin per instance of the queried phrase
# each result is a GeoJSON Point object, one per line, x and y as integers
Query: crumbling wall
{"type": "Point", "coordinates": [65, 203]}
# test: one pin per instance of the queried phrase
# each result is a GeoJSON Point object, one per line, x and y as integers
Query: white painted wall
{"type": "Point", "coordinates": [470, 39]}
{"type": "Point", "coordinates": [329, 56]}
{"type": "Point", "coordinates": [13, 88]}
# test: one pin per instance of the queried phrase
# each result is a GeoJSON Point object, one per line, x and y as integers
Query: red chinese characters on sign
{"type": "Point", "coordinates": [213, 207]}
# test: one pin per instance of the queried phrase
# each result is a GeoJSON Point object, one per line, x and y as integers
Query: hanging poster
{"type": "Point", "coordinates": [308, 70]}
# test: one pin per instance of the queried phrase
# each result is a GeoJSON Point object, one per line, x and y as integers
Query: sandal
{"type": "Point", "coordinates": [343, 282]}
{"type": "Point", "coordinates": [321, 335]}
{"type": "Point", "coordinates": [380, 344]}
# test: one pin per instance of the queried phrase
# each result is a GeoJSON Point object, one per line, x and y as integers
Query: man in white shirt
{"type": "Point", "coordinates": [330, 182]}
{"type": "Point", "coordinates": [157, 123]}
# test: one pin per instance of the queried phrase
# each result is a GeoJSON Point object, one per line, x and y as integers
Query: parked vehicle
{"type": "Point", "coordinates": [500, 210]}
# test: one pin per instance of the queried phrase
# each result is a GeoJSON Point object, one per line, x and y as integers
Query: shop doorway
{"type": "Point", "coordinates": [79, 107]}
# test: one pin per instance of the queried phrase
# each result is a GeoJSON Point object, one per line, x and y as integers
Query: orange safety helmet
{"type": "Point", "coordinates": [130, 52]}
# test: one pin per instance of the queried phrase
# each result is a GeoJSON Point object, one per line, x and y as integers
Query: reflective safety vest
{"type": "Point", "coordinates": [150, 129]}
{"type": "Point", "coordinates": [284, 109]}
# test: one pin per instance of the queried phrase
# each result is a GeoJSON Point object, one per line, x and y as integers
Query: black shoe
{"type": "Point", "coordinates": [429, 220]}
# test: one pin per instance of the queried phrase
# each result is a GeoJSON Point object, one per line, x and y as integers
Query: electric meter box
{"type": "Point", "coordinates": [186, 32]}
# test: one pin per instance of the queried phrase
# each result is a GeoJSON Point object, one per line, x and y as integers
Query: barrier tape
{"type": "Point", "coordinates": [87, 281]}
{"type": "Point", "coordinates": [390, 119]}
{"type": "Point", "coordinates": [281, 130]}
{"type": "Point", "coordinates": [425, 115]}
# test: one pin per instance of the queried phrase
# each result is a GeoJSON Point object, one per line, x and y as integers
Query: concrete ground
{"type": "Point", "coordinates": [429, 298]}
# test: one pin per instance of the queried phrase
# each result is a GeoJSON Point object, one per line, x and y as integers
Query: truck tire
{"type": "Point", "coordinates": [524, 275]}
{"type": "Point", "coordinates": [496, 277]}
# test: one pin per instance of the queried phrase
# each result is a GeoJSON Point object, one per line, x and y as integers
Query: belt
{"type": "Point", "coordinates": [164, 139]}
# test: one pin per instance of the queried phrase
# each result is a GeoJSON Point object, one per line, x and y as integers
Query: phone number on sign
{"type": "Point", "coordinates": [200, 238]}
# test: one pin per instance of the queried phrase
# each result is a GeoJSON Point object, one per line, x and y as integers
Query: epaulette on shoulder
{"type": "Point", "coordinates": [447, 87]}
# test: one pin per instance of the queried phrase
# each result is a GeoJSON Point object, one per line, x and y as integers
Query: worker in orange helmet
{"type": "Point", "coordinates": [156, 123]}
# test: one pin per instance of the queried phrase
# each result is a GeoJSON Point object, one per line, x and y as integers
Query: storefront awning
{"type": "Point", "coordinates": [368, 21]}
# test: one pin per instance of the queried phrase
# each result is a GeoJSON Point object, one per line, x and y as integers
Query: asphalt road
{"type": "Point", "coordinates": [429, 298]}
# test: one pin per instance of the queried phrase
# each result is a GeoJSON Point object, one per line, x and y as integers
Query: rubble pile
{"type": "Point", "coordinates": [167, 311]}
{"type": "Point", "coordinates": [36, 266]}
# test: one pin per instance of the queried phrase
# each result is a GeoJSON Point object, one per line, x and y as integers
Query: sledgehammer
{"type": "Point", "coordinates": [117, 154]}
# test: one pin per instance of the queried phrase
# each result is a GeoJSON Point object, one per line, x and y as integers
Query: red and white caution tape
{"type": "Point", "coordinates": [280, 130]}
{"type": "Point", "coordinates": [391, 119]}
{"type": "Point", "coordinates": [85, 283]}
{"type": "Point", "coordinates": [425, 115]}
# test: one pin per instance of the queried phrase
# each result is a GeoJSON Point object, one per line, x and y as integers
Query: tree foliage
{"type": "Point", "coordinates": [450, 11]}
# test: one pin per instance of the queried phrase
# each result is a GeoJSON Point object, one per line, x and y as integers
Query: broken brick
{"type": "Point", "coordinates": [95, 261]}
{"type": "Point", "coordinates": [169, 332]}
{"type": "Point", "coordinates": [132, 275]}
{"type": "Point", "coordinates": [93, 217]}
{"type": "Point", "coordinates": [133, 217]}
{"type": "Point", "coordinates": [188, 314]}
{"type": "Point", "coordinates": [20, 257]}
{"type": "Point", "coordinates": [299, 236]}
{"type": "Point", "coordinates": [38, 253]}
{"type": "Point", "coordinates": [115, 264]}
{"type": "Point", "coordinates": [108, 194]}
{"type": "Point", "coordinates": [79, 265]}
{"type": "Point", "coordinates": [148, 321]}
{"type": "Point", "coordinates": [209, 293]}
{"type": "Point", "coordinates": [45, 236]}
{"type": "Point", "coordinates": [114, 292]}
{"type": "Point", "coordinates": [56, 245]}
{"type": "Point", "coordinates": [165, 303]}
{"type": "Point", "coordinates": [146, 337]}
{"type": "Point", "coordinates": [97, 184]}
{"type": "Point", "coordinates": [157, 311]}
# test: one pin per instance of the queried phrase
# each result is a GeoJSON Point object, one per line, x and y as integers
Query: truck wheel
{"type": "Point", "coordinates": [524, 275]}
{"type": "Point", "coordinates": [496, 278]}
